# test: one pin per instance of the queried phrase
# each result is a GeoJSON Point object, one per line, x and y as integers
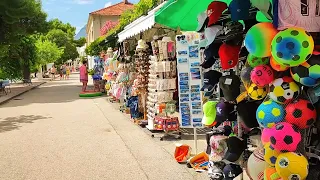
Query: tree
{"type": "Point", "coordinates": [80, 42]}
{"type": "Point", "coordinates": [67, 28]}
{"type": "Point", "coordinates": [47, 52]}
{"type": "Point", "coordinates": [57, 36]}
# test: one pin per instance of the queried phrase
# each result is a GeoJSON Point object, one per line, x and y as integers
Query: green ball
{"type": "Point", "coordinates": [254, 61]}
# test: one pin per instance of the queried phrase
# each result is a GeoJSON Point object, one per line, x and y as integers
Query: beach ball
{"type": "Point", "coordinates": [256, 164]}
{"type": "Point", "coordinates": [262, 75]}
{"type": "Point", "coordinates": [284, 137]}
{"type": "Point", "coordinates": [265, 135]}
{"type": "Point", "coordinates": [270, 173]}
{"type": "Point", "coordinates": [292, 166]}
{"type": "Point", "coordinates": [301, 113]}
{"type": "Point", "coordinates": [283, 90]}
{"type": "Point", "coordinates": [270, 154]}
{"type": "Point", "coordinates": [307, 73]}
{"type": "Point", "coordinates": [254, 61]}
{"type": "Point", "coordinates": [269, 113]}
{"type": "Point", "coordinates": [276, 66]}
{"type": "Point", "coordinates": [258, 39]}
{"type": "Point", "coordinates": [292, 46]}
{"type": "Point", "coordinates": [256, 92]}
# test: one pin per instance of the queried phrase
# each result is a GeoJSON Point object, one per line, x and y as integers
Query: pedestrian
{"type": "Point", "coordinates": [84, 76]}
{"type": "Point", "coordinates": [67, 71]}
{"type": "Point", "coordinates": [53, 73]}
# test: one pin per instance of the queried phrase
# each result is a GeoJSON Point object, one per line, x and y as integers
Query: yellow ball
{"type": "Point", "coordinates": [292, 166]}
{"type": "Point", "coordinates": [256, 92]}
{"type": "Point", "coordinates": [270, 154]}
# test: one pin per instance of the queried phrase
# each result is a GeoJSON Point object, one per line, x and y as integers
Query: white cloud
{"type": "Point", "coordinates": [108, 4]}
{"type": "Point", "coordinates": [83, 1]}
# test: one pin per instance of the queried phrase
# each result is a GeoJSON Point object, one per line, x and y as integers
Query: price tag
{"type": "Point", "coordinates": [228, 81]}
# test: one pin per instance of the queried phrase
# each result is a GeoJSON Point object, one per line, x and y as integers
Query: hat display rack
{"type": "Point", "coordinates": [161, 86]}
{"type": "Point", "coordinates": [272, 93]}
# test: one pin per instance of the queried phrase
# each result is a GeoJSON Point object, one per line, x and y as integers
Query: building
{"type": "Point", "coordinates": [97, 19]}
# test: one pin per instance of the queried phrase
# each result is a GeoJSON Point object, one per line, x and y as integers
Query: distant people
{"type": "Point", "coordinates": [67, 71]}
{"type": "Point", "coordinates": [84, 76]}
{"type": "Point", "coordinates": [53, 72]}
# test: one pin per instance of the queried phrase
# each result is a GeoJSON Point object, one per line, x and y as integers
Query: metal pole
{"type": "Point", "coordinates": [195, 140]}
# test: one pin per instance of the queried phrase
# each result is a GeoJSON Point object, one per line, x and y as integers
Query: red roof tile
{"type": "Point", "coordinates": [114, 10]}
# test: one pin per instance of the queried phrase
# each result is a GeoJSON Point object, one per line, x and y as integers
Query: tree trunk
{"type": "Point", "coordinates": [26, 71]}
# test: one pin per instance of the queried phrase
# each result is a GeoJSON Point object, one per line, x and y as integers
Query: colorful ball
{"type": "Point", "coordinates": [283, 90]}
{"type": "Point", "coordinates": [256, 92]}
{"type": "Point", "coordinates": [269, 113]}
{"type": "Point", "coordinates": [258, 39]}
{"type": "Point", "coordinates": [285, 137]}
{"type": "Point", "coordinates": [270, 173]}
{"type": "Point", "coordinates": [256, 164]}
{"type": "Point", "coordinates": [254, 61]}
{"type": "Point", "coordinates": [265, 135]}
{"type": "Point", "coordinates": [270, 154]}
{"type": "Point", "coordinates": [292, 166]}
{"type": "Point", "coordinates": [292, 46]}
{"type": "Point", "coordinates": [276, 66]}
{"type": "Point", "coordinates": [301, 113]}
{"type": "Point", "coordinates": [262, 75]}
{"type": "Point", "coordinates": [307, 73]}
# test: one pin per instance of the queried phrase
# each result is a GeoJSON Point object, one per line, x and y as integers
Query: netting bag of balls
{"type": "Point", "coordinates": [282, 72]}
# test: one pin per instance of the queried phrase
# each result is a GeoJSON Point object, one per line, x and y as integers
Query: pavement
{"type": "Point", "coordinates": [51, 133]}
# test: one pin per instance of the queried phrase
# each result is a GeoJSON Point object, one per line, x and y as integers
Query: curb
{"type": "Point", "coordinates": [19, 94]}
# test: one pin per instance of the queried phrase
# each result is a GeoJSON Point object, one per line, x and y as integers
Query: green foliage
{"type": "Point", "coordinates": [67, 28]}
{"type": "Point", "coordinates": [95, 48]}
{"type": "Point", "coordinates": [57, 36]}
{"type": "Point", "coordinates": [47, 52]}
{"type": "Point", "coordinates": [91, 72]}
{"type": "Point", "coordinates": [80, 42]}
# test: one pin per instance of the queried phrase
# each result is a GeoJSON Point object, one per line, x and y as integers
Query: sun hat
{"type": "Point", "coordinates": [209, 113]}
{"type": "Point", "coordinates": [210, 79]}
{"type": "Point", "coordinates": [231, 171]}
{"type": "Point", "coordinates": [214, 11]}
{"type": "Point", "coordinates": [212, 32]}
{"type": "Point", "coordinates": [264, 6]}
{"type": "Point", "coordinates": [142, 45]}
{"type": "Point", "coordinates": [236, 147]}
{"type": "Point", "coordinates": [202, 21]}
{"type": "Point", "coordinates": [230, 86]}
{"type": "Point", "coordinates": [239, 9]}
{"type": "Point", "coordinates": [229, 55]}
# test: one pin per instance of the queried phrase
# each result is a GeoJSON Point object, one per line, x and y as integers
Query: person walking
{"type": "Point", "coordinates": [67, 71]}
{"type": "Point", "coordinates": [84, 76]}
{"type": "Point", "coordinates": [53, 73]}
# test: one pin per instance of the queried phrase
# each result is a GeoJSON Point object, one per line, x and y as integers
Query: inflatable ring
{"type": "Point", "coordinates": [90, 94]}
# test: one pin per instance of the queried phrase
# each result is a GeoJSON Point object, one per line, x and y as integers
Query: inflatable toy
{"type": "Point", "coordinates": [90, 94]}
{"type": "Point", "coordinates": [301, 113]}
{"type": "Point", "coordinates": [307, 73]}
{"type": "Point", "coordinates": [270, 154]}
{"type": "Point", "coordinates": [256, 164]}
{"type": "Point", "coordinates": [276, 66]}
{"type": "Point", "coordinates": [270, 173]}
{"type": "Point", "coordinates": [284, 137]}
{"type": "Point", "coordinates": [269, 113]}
{"type": "Point", "coordinates": [254, 61]}
{"type": "Point", "coordinates": [258, 39]}
{"type": "Point", "coordinates": [283, 90]}
{"type": "Point", "coordinates": [265, 135]}
{"type": "Point", "coordinates": [256, 92]}
{"type": "Point", "coordinates": [292, 166]}
{"type": "Point", "coordinates": [292, 46]}
{"type": "Point", "coordinates": [262, 75]}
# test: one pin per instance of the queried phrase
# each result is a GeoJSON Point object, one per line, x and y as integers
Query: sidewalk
{"type": "Point", "coordinates": [17, 89]}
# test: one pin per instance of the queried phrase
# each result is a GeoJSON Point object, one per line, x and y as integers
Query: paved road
{"type": "Point", "coordinates": [50, 133]}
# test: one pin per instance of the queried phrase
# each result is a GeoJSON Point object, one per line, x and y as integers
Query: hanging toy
{"type": "Point", "coordinates": [291, 166]}
{"type": "Point", "coordinates": [256, 92]}
{"type": "Point", "coordinates": [270, 154]}
{"type": "Point", "coordinates": [254, 61]}
{"type": "Point", "coordinates": [283, 90]}
{"type": "Point", "coordinates": [269, 113]}
{"type": "Point", "coordinates": [262, 75]}
{"type": "Point", "coordinates": [292, 47]}
{"type": "Point", "coordinates": [276, 66]}
{"type": "Point", "coordinates": [270, 173]}
{"type": "Point", "coordinates": [307, 73]}
{"type": "Point", "coordinates": [258, 39]}
{"type": "Point", "coordinates": [301, 113]}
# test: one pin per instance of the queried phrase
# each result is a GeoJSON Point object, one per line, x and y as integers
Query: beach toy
{"type": "Point", "coordinates": [301, 113]}
{"type": "Point", "coordinates": [265, 135]}
{"type": "Point", "coordinates": [292, 46]}
{"type": "Point", "coordinates": [270, 154]}
{"type": "Point", "coordinates": [256, 92]}
{"type": "Point", "coordinates": [262, 75]}
{"type": "Point", "coordinates": [258, 39]}
{"type": "Point", "coordinates": [90, 94]}
{"type": "Point", "coordinates": [254, 61]}
{"type": "Point", "coordinates": [291, 166]}
{"type": "Point", "coordinates": [269, 113]}
{"type": "Point", "coordinates": [284, 137]}
{"type": "Point", "coordinates": [283, 90]}
{"type": "Point", "coordinates": [276, 66]}
{"type": "Point", "coordinates": [270, 173]}
{"type": "Point", "coordinates": [307, 73]}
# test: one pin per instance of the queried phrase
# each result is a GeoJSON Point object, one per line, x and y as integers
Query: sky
{"type": "Point", "coordinates": [76, 12]}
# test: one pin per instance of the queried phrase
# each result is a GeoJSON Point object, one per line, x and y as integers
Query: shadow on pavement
{"type": "Point", "coordinates": [12, 123]}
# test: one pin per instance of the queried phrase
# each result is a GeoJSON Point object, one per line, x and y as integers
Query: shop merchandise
{"type": "Point", "coordinates": [231, 171]}
{"type": "Point", "coordinates": [214, 11]}
{"type": "Point", "coordinates": [230, 86]}
{"type": "Point", "coordinates": [210, 80]}
{"type": "Point", "coordinates": [256, 164]}
{"type": "Point", "coordinates": [236, 147]}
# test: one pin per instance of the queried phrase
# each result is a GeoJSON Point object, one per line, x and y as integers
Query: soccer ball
{"type": "Point", "coordinates": [262, 75]}
{"type": "Point", "coordinates": [270, 173]}
{"type": "Point", "coordinates": [292, 166]}
{"type": "Point", "coordinates": [301, 113]}
{"type": "Point", "coordinates": [284, 137]}
{"type": "Point", "coordinates": [292, 46]}
{"type": "Point", "coordinates": [265, 135]}
{"type": "Point", "coordinates": [270, 154]}
{"type": "Point", "coordinates": [276, 66]}
{"type": "Point", "coordinates": [283, 90]}
{"type": "Point", "coordinates": [256, 92]}
{"type": "Point", "coordinates": [254, 61]}
{"type": "Point", "coordinates": [269, 113]}
{"type": "Point", "coordinates": [307, 73]}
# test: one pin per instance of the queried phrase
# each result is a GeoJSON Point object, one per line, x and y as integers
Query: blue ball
{"type": "Point", "coordinates": [269, 113]}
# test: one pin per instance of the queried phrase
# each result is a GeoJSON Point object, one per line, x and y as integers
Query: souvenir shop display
{"type": "Point", "coordinates": [162, 83]}
{"type": "Point", "coordinates": [189, 78]}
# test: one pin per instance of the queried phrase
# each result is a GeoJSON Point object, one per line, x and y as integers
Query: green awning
{"type": "Point", "coordinates": [183, 13]}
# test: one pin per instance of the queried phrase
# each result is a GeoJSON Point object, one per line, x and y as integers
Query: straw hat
{"type": "Point", "coordinates": [142, 45]}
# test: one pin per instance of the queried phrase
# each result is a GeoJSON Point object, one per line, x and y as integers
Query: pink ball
{"type": "Point", "coordinates": [284, 137]}
{"type": "Point", "coordinates": [262, 75]}
{"type": "Point", "coordinates": [265, 135]}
